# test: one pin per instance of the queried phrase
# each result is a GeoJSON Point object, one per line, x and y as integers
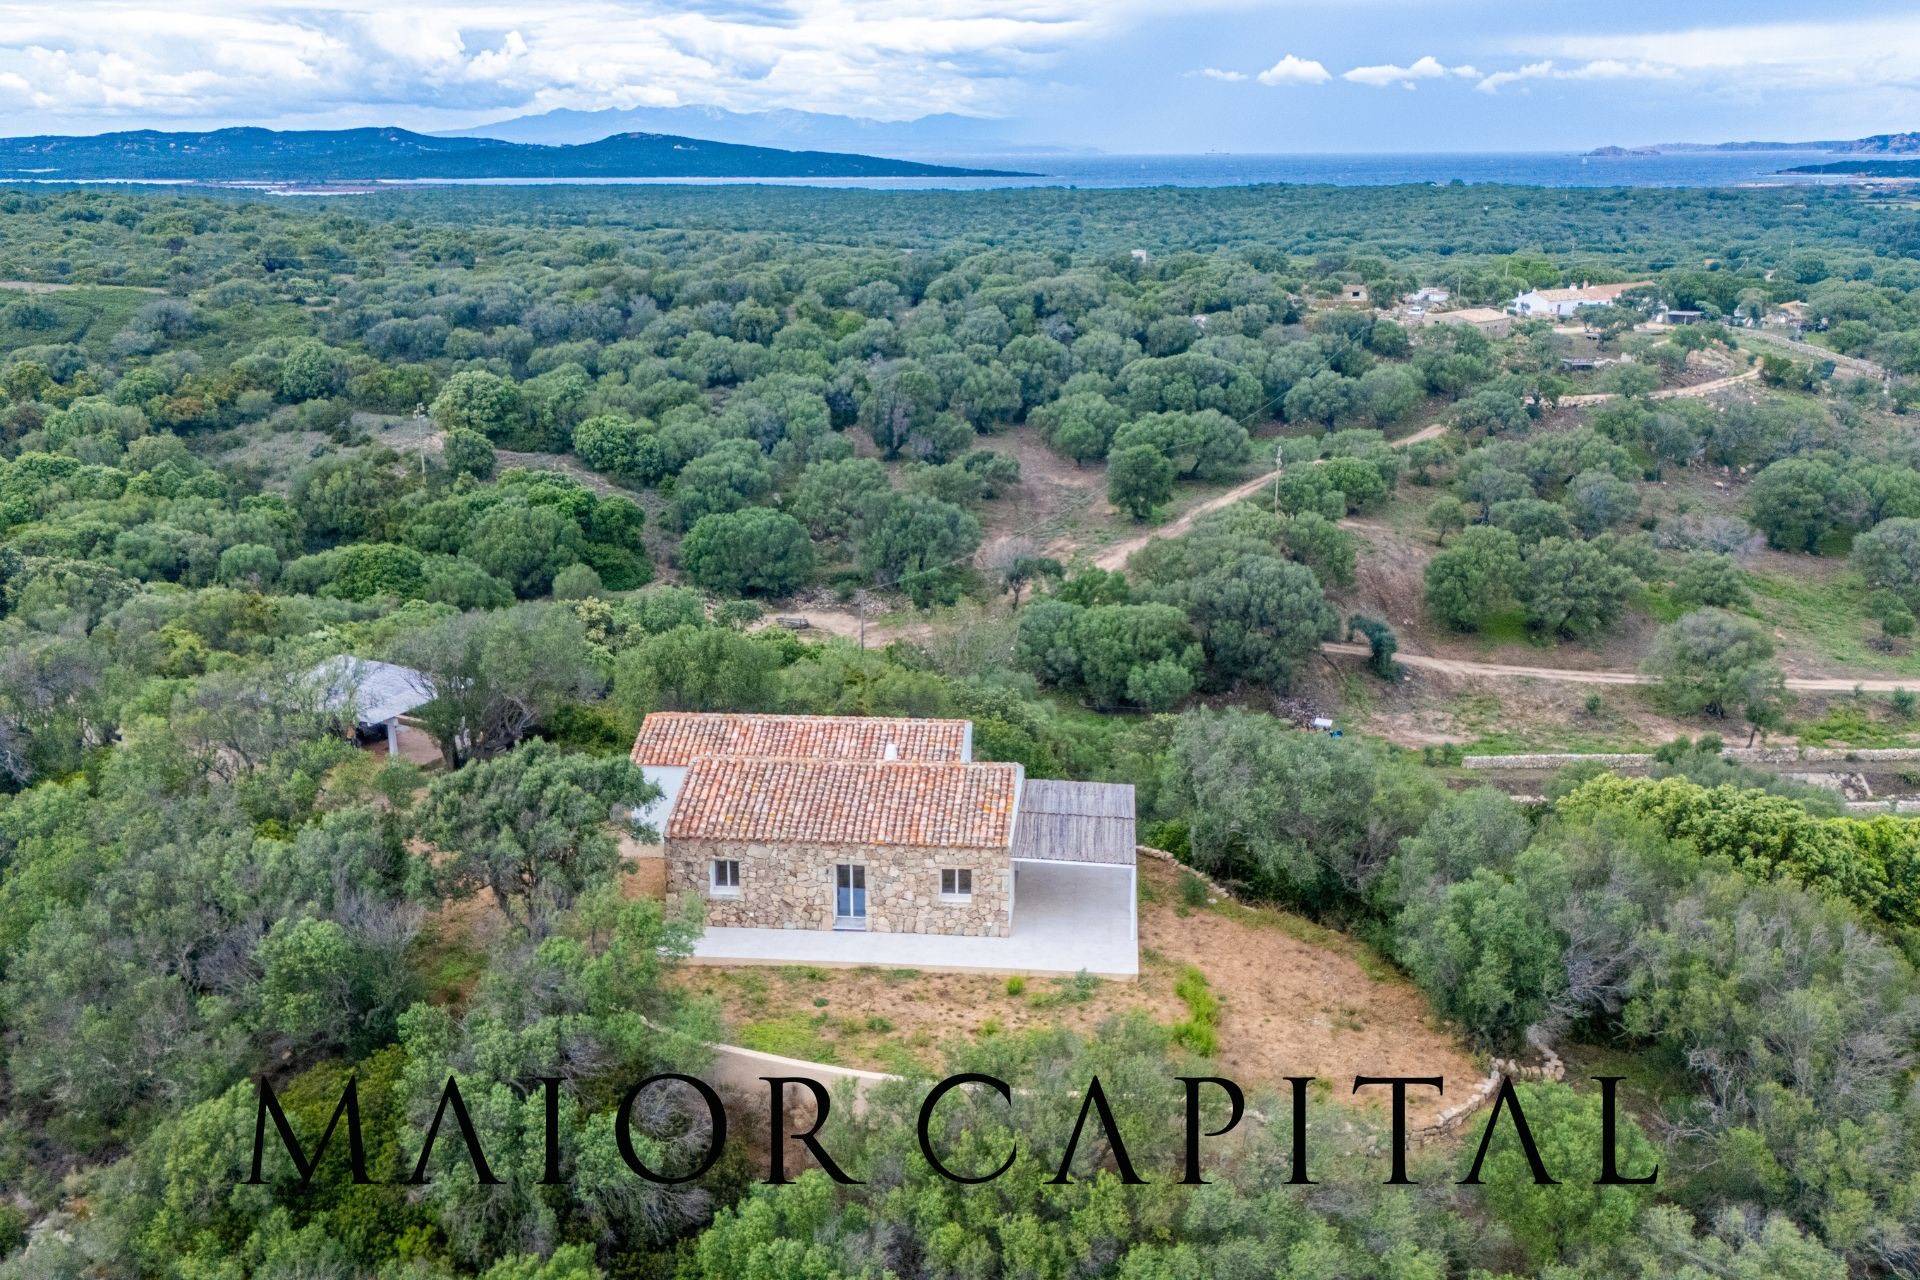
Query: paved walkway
{"type": "Point", "coordinates": [1066, 917]}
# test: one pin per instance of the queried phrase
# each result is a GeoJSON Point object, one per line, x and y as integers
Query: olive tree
{"type": "Point", "coordinates": [532, 827]}
{"type": "Point", "coordinates": [1712, 661]}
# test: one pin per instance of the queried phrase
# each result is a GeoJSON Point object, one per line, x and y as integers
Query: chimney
{"type": "Point", "coordinates": [892, 752]}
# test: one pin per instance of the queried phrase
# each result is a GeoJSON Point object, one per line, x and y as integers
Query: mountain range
{"type": "Point", "coordinates": [943, 134]}
{"type": "Point", "coordinates": [360, 155]}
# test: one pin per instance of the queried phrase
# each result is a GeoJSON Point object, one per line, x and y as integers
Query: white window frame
{"type": "Point", "coordinates": [960, 876]}
{"type": "Point", "coordinates": [715, 876]}
{"type": "Point", "coordinates": [850, 889]}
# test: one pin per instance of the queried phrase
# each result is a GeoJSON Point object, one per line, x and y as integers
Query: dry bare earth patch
{"type": "Point", "coordinates": [1296, 999]}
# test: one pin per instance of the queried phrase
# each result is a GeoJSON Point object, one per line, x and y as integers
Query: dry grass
{"type": "Point", "coordinates": [1295, 999]}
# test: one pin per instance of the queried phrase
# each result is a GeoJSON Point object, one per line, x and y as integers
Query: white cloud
{"type": "Point", "coordinates": [114, 60]}
{"type": "Point", "coordinates": [1598, 69]}
{"type": "Point", "coordinates": [1427, 68]}
{"type": "Point", "coordinates": [1292, 70]}
{"type": "Point", "coordinates": [1217, 73]}
{"type": "Point", "coordinates": [1845, 55]}
{"type": "Point", "coordinates": [1501, 79]}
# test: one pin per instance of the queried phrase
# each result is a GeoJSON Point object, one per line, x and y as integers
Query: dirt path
{"type": "Point", "coordinates": [1668, 393]}
{"type": "Point", "coordinates": [50, 286]}
{"type": "Point", "coordinates": [846, 623]}
{"type": "Point", "coordinates": [1117, 555]}
{"type": "Point", "coordinates": [1563, 675]}
{"type": "Point", "coordinates": [1704, 388]}
{"type": "Point", "coordinates": [881, 629]}
{"type": "Point", "coordinates": [1761, 339]}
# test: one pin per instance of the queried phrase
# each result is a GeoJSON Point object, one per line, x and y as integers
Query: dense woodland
{"type": "Point", "coordinates": [563, 450]}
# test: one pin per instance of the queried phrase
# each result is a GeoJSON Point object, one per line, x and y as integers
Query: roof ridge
{"type": "Point", "coordinates": [809, 800]}
{"type": "Point", "coordinates": [858, 762]}
{"type": "Point", "coordinates": [801, 715]}
{"type": "Point", "coordinates": [677, 737]}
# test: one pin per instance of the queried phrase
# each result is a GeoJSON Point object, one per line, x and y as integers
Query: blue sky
{"type": "Point", "coordinates": [1122, 75]}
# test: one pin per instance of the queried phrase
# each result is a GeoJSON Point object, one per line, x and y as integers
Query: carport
{"type": "Point", "coordinates": [1075, 896]}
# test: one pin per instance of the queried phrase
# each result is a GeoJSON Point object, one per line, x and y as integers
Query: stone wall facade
{"type": "Point", "coordinates": [791, 886]}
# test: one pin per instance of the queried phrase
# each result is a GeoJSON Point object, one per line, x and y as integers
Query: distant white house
{"type": "Point", "coordinates": [1433, 294]}
{"type": "Point", "coordinates": [1566, 302]}
{"type": "Point", "coordinates": [376, 693]}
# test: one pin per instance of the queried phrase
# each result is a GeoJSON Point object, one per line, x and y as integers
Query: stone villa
{"type": "Point", "coordinates": [840, 839]}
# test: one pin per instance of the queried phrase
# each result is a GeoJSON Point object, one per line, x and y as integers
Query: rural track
{"type": "Point", "coordinates": [846, 623]}
{"type": "Point", "coordinates": [1762, 341]}
{"type": "Point", "coordinates": [1667, 393]}
{"type": "Point", "coordinates": [1117, 555]}
{"type": "Point", "coordinates": [1566, 675]}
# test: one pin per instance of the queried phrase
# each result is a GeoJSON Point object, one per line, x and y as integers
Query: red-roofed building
{"type": "Point", "coordinates": [677, 738]}
{"type": "Point", "coordinates": [904, 846]}
{"type": "Point", "coordinates": [884, 826]}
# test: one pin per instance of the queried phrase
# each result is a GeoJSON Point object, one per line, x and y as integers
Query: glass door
{"type": "Point", "coordinates": [849, 896]}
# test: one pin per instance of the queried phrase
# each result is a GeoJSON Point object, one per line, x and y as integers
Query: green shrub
{"type": "Point", "coordinates": [1200, 1032]}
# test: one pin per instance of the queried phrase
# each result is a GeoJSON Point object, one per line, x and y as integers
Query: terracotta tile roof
{"type": "Point", "coordinates": [681, 737]}
{"type": "Point", "coordinates": [1467, 315]}
{"type": "Point", "coordinates": [855, 802]}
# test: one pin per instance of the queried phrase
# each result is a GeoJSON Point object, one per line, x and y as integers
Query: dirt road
{"type": "Point", "coordinates": [1117, 555]}
{"type": "Point", "coordinates": [1704, 388]}
{"type": "Point", "coordinates": [1761, 339]}
{"type": "Point", "coordinates": [1563, 675]}
{"type": "Point", "coordinates": [881, 628]}
{"type": "Point", "coordinates": [1667, 393]}
{"type": "Point", "coordinates": [49, 286]}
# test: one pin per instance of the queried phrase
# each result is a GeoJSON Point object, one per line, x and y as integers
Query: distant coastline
{"type": "Point", "coordinates": [998, 171]}
{"type": "Point", "coordinates": [328, 157]}
{"type": "Point", "coordinates": [1879, 144]}
{"type": "Point", "coordinates": [1897, 169]}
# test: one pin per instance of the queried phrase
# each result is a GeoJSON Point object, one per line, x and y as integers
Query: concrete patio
{"type": "Point", "coordinates": [1067, 916]}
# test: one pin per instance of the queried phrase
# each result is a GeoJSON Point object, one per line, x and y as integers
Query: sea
{"type": "Point", "coordinates": [1212, 169]}
{"type": "Point", "coordinates": [1220, 169]}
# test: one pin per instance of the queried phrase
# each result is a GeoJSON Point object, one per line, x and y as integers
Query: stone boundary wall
{"type": "Point", "coordinates": [1738, 755]}
{"type": "Point", "coordinates": [1550, 1067]}
{"type": "Point", "coordinates": [1214, 887]}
